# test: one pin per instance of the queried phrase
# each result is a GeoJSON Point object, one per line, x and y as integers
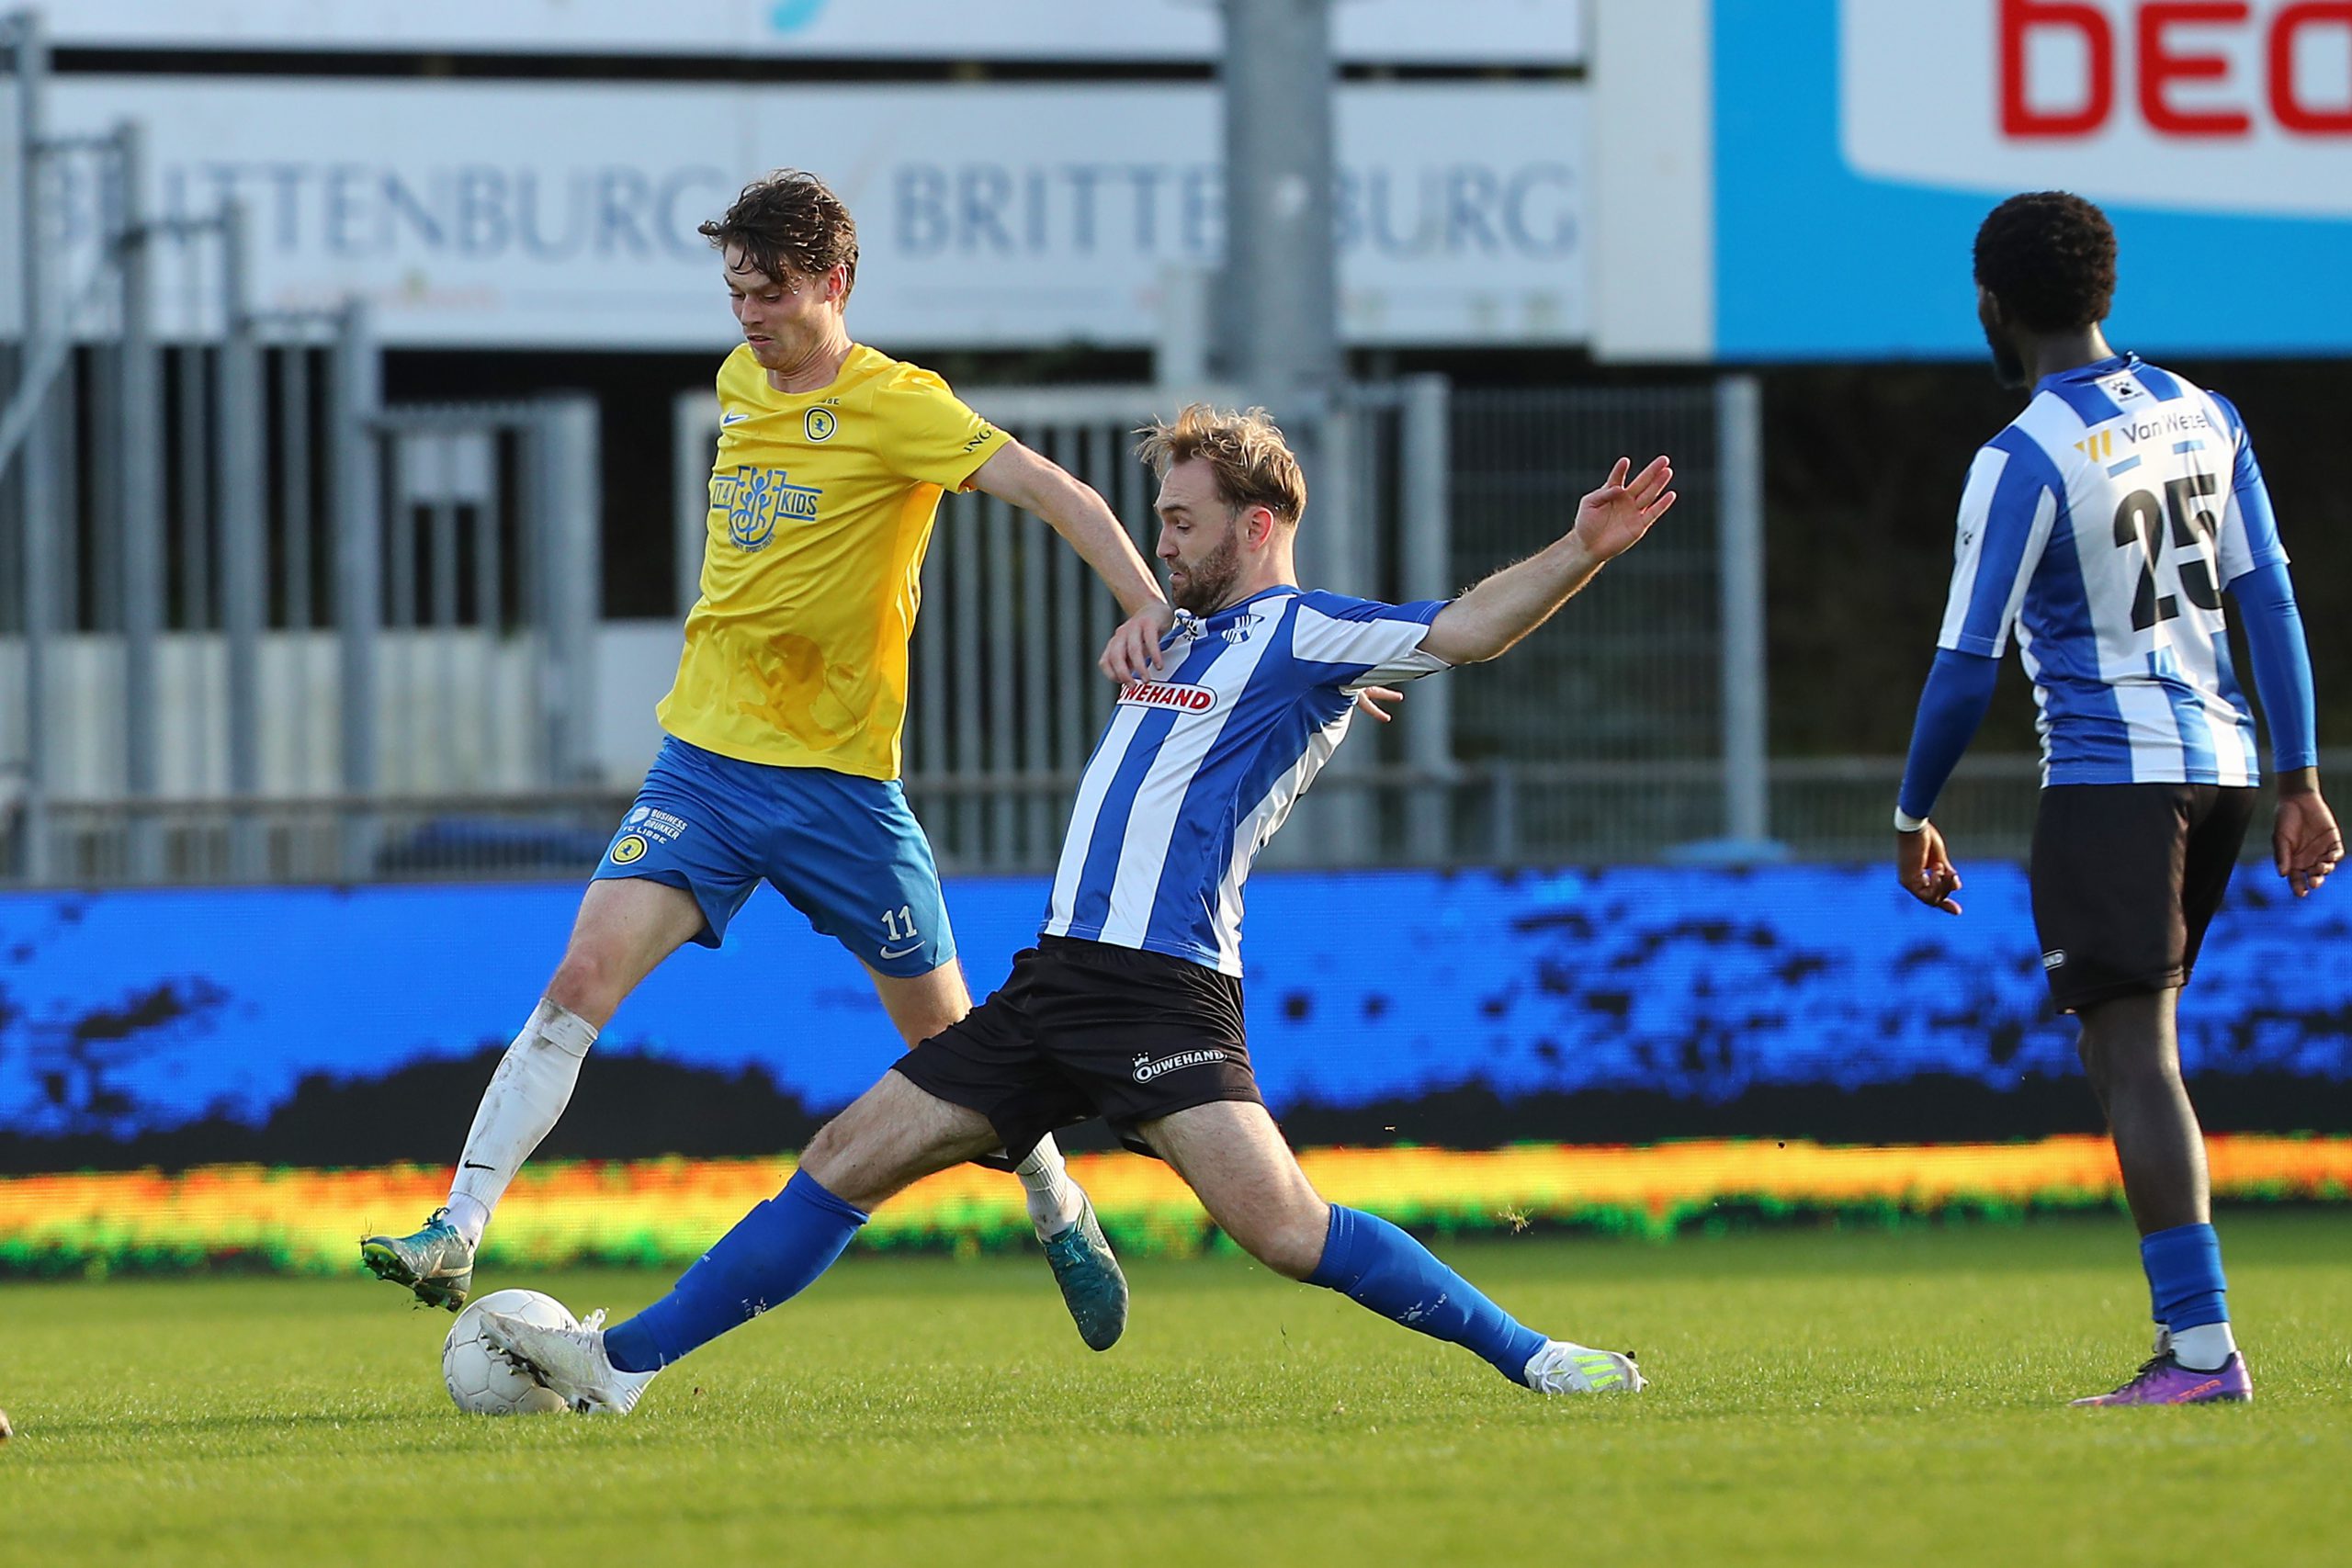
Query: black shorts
{"type": "Point", "coordinates": [2126, 878]}
{"type": "Point", "coordinates": [1084, 1028]}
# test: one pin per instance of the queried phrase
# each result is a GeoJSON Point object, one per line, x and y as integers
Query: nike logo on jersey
{"type": "Point", "coordinates": [900, 951]}
{"type": "Point", "coordinates": [476, 1165]}
{"type": "Point", "coordinates": [733, 418]}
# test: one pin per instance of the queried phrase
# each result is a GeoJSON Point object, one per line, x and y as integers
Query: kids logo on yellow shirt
{"type": "Point", "coordinates": [756, 500]}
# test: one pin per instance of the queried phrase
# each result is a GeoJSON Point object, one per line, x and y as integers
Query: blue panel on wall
{"type": "Point", "coordinates": [129, 1011]}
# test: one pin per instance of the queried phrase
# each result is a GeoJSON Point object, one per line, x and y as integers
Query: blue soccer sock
{"type": "Point", "coordinates": [2186, 1289]}
{"type": "Point", "coordinates": [774, 1253]}
{"type": "Point", "coordinates": [1373, 1263]}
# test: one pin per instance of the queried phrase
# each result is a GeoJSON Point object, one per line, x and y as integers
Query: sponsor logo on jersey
{"type": "Point", "coordinates": [646, 822]}
{"type": "Point", "coordinates": [1174, 694]}
{"type": "Point", "coordinates": [1239, 632]}
{"type": "Point", "coordinates": [726, 419]}
{"type": "Point", "coordinates": [756, 500]}
{"type": "Point", "coordinates": [1150, 1068]}
{"type": "Point", "coordinates": [2100, 445]}
{"type": "Point", "coordinates": [979, 436]}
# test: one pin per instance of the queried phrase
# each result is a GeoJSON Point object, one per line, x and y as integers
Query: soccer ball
{"type": "Point", "coordinates": [483, 1381]}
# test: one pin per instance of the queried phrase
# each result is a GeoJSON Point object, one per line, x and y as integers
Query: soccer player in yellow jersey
{"type": "Point", "coordinates": [782, 760]}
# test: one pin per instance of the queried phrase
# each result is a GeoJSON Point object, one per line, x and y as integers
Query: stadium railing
{"type": "Point", "coordinates": [1498, 813]}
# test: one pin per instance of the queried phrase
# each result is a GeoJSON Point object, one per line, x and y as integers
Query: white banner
{"type": "Point", "coordinates": [1517, 32]}
{"type": "Point", "coordinates": [564, 215]}
{"type": "Point", "coordinates": [2243, 109]}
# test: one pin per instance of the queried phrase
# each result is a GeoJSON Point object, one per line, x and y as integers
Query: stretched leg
{"type": "Point", "coordinates": [1093, 1286]}
{"type": "Point", "coordinates": [894, 1134]}
{"type": "Point", "coordinates": [2131, 1052]}
{"type": "Point", "coordinates": [922, 1006]}
{"type": "Point", "coordinates": [1234, 1157]}
{"type": "Point", "coordinates": [626, 926]}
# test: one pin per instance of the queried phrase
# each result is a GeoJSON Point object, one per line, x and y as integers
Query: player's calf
{"type": "Point", "coordinates": [1234, 1159]}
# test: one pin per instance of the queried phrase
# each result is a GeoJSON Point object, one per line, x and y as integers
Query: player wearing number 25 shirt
{"type": "Point", "coordinates": [2104, 531]}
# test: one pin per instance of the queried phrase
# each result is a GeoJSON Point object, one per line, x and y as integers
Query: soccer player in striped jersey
{"type": "Point", "coordinates": [782, 758]}
{"type": "Point", "coordinates": [1129, 1006]}
{"type": "Point", "coordinates": [2102, 530]}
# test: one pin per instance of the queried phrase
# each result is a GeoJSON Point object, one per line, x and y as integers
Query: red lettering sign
{"type": "Point", "coordinates": [2018, 20]}
{"type": "Point", "coordinates": [2160, 66]}
{"type": "Point", "coordinates": [2292, 112]}
{"type": "Point", "coordinates": [2174, 43]}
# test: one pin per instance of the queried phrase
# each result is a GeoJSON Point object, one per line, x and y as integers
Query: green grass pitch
{"type": "Point", "coordinates": [1873, 1397]}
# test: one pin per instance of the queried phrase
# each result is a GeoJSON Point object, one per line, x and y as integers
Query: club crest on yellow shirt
{"type": "Point", "coordinates": [756, 500]}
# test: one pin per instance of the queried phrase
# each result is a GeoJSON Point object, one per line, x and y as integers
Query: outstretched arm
{"type": "Point", "coordinates": [1015, 474]}
{"type": "Point", "coordinates": [1515, 600]}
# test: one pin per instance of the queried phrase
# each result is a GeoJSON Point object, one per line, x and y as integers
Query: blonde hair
{"type": "Point", "coordinates": [1246, 452]}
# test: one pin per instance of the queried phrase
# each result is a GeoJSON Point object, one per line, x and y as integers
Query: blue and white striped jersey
{"type": "Point", "coordinates": [1198, 769]}
{"type": "Point", "coordinates": [2102, 526]}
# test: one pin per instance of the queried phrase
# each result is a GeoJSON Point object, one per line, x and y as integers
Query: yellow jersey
{"type": "Point", "coordinates": [820, 509]}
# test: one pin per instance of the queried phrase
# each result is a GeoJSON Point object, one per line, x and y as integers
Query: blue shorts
{"type": "Point", "coordinates": [845, 850]}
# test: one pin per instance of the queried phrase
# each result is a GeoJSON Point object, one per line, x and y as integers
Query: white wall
{"type": "Point", "coordinates": [453, 712]}
{"type": "Point", "coordinates": [1652, 143]}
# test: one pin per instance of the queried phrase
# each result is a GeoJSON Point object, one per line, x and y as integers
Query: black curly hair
{"type": "Point", "coordinates": [2049, 257]}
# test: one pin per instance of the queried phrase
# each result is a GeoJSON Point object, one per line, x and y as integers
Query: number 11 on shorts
{"type": "Point", "coordinates": [899, 924]}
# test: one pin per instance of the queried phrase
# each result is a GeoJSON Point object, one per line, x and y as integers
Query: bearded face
{"type": "Point", "coordinates": [1203, 583]}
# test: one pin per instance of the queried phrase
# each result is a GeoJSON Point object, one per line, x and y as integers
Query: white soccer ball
{"type": "Point", "coordinates": [481, 1380]}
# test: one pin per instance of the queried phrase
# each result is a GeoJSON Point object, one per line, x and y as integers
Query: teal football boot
{"type": "Point", "coordinates": [1093, 1287]}
{"type": "Point", "coordinates": [437, 1262]}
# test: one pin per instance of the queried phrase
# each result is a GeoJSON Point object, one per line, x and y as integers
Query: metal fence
{"type": "Point", "coordinates": [232, 581]}
{"type": "Point", "coordinates": [255, 625]}
{"type": "Point", "coordinates": [1633, 729]}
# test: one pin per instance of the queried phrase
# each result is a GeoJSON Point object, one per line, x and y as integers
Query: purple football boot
{"type": "Point", "coordinates": [2162, 1379]}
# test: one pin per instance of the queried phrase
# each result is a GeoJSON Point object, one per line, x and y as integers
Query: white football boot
{"type": "Point", "coordinates": [1563, 1367]}
{"type": "Point", "coordinates": [571, 1361]}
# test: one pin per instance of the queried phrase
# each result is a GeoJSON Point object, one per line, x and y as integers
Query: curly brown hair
{"type": "Point", "coordinates": [1253, 463]}
{"type": "Point", "coordinates": [789, 224]}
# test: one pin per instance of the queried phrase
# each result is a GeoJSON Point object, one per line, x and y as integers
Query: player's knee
{"type": "Point", "coordinates": [1290, 1242]}
{"type": "Point", "coordinates": [826, 1157]}
{"type": "Point", "coordinates": [587, 983]}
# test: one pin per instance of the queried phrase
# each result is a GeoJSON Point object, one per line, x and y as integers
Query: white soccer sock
{"type": "Point", "coordinates": [526, 1094]}
{"type": "Point", "coordinates": [2204, 1347]}
{"type": "Point", "coordinates": [1046, 1183]}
